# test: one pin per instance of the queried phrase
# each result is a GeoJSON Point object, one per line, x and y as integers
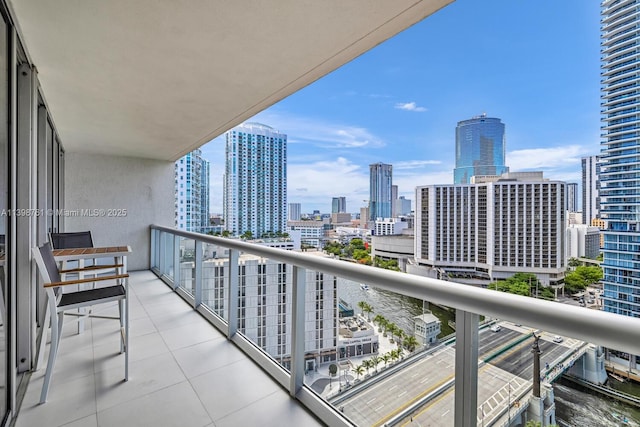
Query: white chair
{"type": "Point", "coordinates": [59, 302]}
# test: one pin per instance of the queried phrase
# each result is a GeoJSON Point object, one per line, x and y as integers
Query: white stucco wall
{"type": "Point", "coordinates": [144, 187]}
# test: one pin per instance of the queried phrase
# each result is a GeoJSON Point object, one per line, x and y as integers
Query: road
{"type": "Point", "coordinates": [499, 381]}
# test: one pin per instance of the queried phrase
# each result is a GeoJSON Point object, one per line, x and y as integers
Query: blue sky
{"type": "Point", "coordinates": [535, 65]}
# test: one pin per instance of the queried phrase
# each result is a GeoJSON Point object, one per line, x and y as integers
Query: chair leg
{"type": "Point", "coordinates": [122, 331]}
{"type": "Point", "coordinates": [56, 327]}
{"type": "Point", "coordinates": [126, 330]}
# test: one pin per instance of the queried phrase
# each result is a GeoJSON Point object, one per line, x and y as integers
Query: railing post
{"type": "Point", "coordinates": [466, 381]}
{"type": "Point", "coordinates": [232, 300]}
{"type": "Point", "coordinates": [153, 256]}
{"type": "Point", "coordinates": [176, 261]}
{"type": "Point", "coordinates": [162, 261]}
{"type": "Point", "coordinates": [197, 286]}
{"type": "Point", "coordinates": [297, 330]}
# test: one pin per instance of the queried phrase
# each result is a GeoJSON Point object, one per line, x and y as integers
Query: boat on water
{"type": "Point", "coordinates": [364, 287]}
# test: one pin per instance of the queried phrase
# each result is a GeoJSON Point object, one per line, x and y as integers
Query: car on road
{"type": "Point", "coordinates": [496, 328]}
{"type": "Point", "coordinates": [557, 338]}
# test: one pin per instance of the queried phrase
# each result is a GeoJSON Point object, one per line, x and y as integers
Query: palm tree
{"type": "Point", "coordinates": [392, 329]}
{"type": "Point", "coordinates": [399, 336]}
{"type": "Point", "coordinates": [361, 306]}
{"type": "Point", "coordinates": [384, 324]}
{"type": "Point", "coordinates": [386, 358]}
{"type": "Point", "coordinates": [368, 309]}
{"type": "Point", "coordinates": [375, 361]}
{"type": "Point", "coordinates": [411, 343]}
{"type": "Point", "coordinates": [358, 370]}
{"type": "Point", "coordinates": [379, 319]}
{"type": "Point", "coordinates": [367, 365]}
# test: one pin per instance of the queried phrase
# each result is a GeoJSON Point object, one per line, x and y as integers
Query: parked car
{"type": "Point", "coordinates": [496, 328]}
{"type": "Point", "coordinates": [557, 338]}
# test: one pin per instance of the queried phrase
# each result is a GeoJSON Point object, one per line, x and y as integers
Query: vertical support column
{"type": "Point", "coordinates": [466, 382]}
{"type": "Point", "coordinates": [24, 172]}
{"type": "Point", "coordinates": [153, 254]}
{"type": "Point", "coordinates": [197, 286]}
{"type": "Point", "coordinates": [162, 253]}
{"type": "Point", "coordinates": [176, 261]}
{"type": "Point", "coordinates": [297, 330]}
{"type": "Point", "coordinates": [232, 300]}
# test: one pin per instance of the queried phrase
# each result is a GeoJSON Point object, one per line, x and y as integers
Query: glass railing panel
{"type": "Point", "coordinates": [215, 271]}
{"type": "Point", "coordinates": [187, 259]}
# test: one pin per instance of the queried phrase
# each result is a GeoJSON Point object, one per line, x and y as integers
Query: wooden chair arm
{"type": "Point", "coordinates": [91, 267]}
{"type": "Point", "coordinates": [88, 280]}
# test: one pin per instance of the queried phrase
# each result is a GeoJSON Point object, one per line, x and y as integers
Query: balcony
{"type": "Point", "coordinates": [183, 372]}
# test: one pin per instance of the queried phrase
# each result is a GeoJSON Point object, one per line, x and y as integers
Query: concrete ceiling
{"type": "Point", "coordinates": [157, 79]}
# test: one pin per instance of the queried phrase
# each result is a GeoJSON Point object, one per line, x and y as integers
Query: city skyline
{"type": "Point", "coordinates": [400, 102]}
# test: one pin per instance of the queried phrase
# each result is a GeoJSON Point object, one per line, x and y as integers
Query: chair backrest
{"type": "Point", "coordinates": [46, 263]}
{"type": "Point", "coordinates": [79, 239]}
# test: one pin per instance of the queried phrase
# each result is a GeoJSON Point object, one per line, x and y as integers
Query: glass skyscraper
{"type": "Point", "coordinates": [480, 148]}
{"type": "Point", "coordinates": [380, 181]}
{"type": "Point", "coordinates": [620, 159]}
{"type": "Point", "coordinates": [255, 181]}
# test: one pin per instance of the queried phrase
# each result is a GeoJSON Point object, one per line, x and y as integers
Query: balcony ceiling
{"type": "Point", "coordinates": [157, 79]}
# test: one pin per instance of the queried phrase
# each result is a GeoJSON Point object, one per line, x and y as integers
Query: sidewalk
{"type": "Point", "coordinates": [622, 370]}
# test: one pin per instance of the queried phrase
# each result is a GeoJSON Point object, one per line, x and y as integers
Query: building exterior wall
{"type": "Point", "coordinates": [590, 189]}
{"type": "Point", "coordinates": [255, 182]}
{"type": "Point", "coordinates": [494, 229]}
{"type": "Point", "coordinates": [480, 148]}
{"type": "Point", "coordinates": [339, 204]}
{"type": "Point", "coordinates": [311, 232]}
{"type": "Point", "coordinates": [142, 187]}
{"type": "Point", "coordinates": [572, 197]}
{"type": "Point", "coordinates": [192, 192]}
{"type": "Point", "coordinates": [380, 182]}
{"type": "Point", "coordinates": [265, 289]}
{"type": "Point", "coordinates": [389, 226]}
{"type": "Point", "coordinates": [295, 211]}
{"type": "Point", "coordinates": [620, 159]}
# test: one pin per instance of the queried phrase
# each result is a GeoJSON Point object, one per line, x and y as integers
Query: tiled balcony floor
{"type": "Point", "coordinates": [182, 372]}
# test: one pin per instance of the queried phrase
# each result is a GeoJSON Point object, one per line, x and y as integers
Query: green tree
{"type": "Point", "coordinates": [410, 343]}
{"type": "Point", "coordinates": [358, 370]}
{"type": "Point", "coordinates": [334, 248]}
{"type": "Point", "coordinates": [362, 305]}
{"type": "Point", "coordinates": [590, 274]}
{"type": "Point", "coordinates": [226, 233]}
{"type": "Point", "coordinates": [247, 235]}
{"type": "Point", "coordinates": [574, 282]}
{"type": "Point", "coordinates": [386, 358]}
{"type": "Point", "coordinates": [367, 365]}
{"type": "Point", "coordinates": [375, 361]}
{"type": "Point", "coordinates": [333, 369]}
{"type": "Point", "coordinates": [356, 244]}
{"type": "Point", "coordinates": [368, 309]}
{"type": "Point", "coordinates": [574, 262]}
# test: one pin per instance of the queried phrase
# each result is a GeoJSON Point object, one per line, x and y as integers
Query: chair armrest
{"type": "Point", "coordinates": [89, 280]}
{"type": "Point", "coordinates": [92, 267]}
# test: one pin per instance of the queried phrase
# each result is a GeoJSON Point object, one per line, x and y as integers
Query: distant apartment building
{"type": "Point", "coordinates": [380, 182]}
{"type": "Point", "coordinates": [295, 212]}
{"type": "Point", "coordinates": [339, 205]}
{"type": "Point", "coordinates": [620, 158]}
{"type": "Point", "coordinates": [340, 218]}
{"type": "Point", "coordinates": [494, 228]}
{"type": "Point", "coordinates": [264, 306]}
{"type": "Point", "coordinates": [590, 188]}
{"type": "Point", "coordinates": [583, 241]}
{"type": "Point", "coordinates": [311, 232]}
{"type": "Point", "coordinates": [389, 226]}
{"type": "Point", "coordinates": [403, 206]}
{"type": "Point", "coordinates": [572, 197]}
{"type": "Point", "coordinates": [255, 181]}
{"type": "Point", "coordinates": [480, 148]}
{"type": "Point", "coordinates": [192, 192]}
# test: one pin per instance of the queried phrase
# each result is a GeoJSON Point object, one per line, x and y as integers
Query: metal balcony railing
{"type": "Point", "coordinates": [598, 327]}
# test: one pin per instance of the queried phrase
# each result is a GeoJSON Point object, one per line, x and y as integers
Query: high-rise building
{"type": "Point", "coordinates": [620, 159]}
{"type": "Point", "coordinates": [264, 306]}
{"type": "Point", "coordinates": [192, 192]}
{"type": "Point", "coordinates": [572, 197]}
{"type": "Point", "coordinates": [480, 148]}
{"type": "Point", "coordinates": [380, 182]}
{"type": "Point", "coordinates": [494, 228]}
{"type": "Point", "coordinates": [255, 181]}
{"type": "Point", "coordinates": [590, 189]}
{"type": "Point", "coordinates": [295, 211]}
{"type": "Point", "coordinates": [339, 204]}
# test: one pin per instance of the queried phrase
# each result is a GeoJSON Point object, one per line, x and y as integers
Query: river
{"type": "Point", "coordinates": [574, 407]}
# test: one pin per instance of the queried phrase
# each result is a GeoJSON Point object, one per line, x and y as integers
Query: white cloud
{"type": "Point", "coordinates": [318, 132]}
{"type": "Point", "coordinates": [415, 164]}
{"type": "Point", "coordinates": [547, 159]}
{"type": "Point", "coordinates": [409, 106]}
